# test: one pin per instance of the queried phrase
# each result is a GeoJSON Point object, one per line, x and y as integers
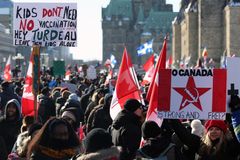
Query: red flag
{"type": "Point", "coordinates": [67, 74]}
{"type": "Point", "coordinates": [126, 86]}
{"type": "Point", "coordinates": [161, 64]}
{"type": "Point", "coordinates": [149, 68]}
{"type": "Point", "coordinates": [81, 132]}
{"type": "Point", "coordinates": [109, 76]}
{"type": "Point", "coordinates": [154, 90]}
{"type": "Point", "coordinates": [28, 97]}
{"type": "Point", "coordinates": [7, 70]}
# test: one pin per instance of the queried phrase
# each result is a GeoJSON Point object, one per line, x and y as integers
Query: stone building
{"type": "Point", "coordinates": [133, 22]}
{"type": "Point", "coordinates": [213, 24]}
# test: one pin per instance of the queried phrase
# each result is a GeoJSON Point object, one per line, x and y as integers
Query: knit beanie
{"type": "Point", "coordinates": [150, 129]}
{"type": "Point", "coordinates": [216, 123]}
{"type": "Point", "coordinates": [197, 128]}
{"type": "Point", "coordinates": [70, 115]}
{"type": "Point", "coordinates": [73, 96]}
{"type": "Point", "coordinates": [132, 105]}
{"type": "Point", "coordinates": [97, 139]}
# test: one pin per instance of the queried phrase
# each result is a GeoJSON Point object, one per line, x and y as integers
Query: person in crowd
{"type": "Point", "coordinates": [100, 116]}
{"type": "Point", "coordinates": [6, 95]}
{"type": "Point", "coordinates": [46, 107]}
{"type": "Point", "coordinates": [126, 129]}
{"type": "Point", "coordinates": [98, 146]}
{"type": "Point", "coordinates": [73, 102]}
{"type": "Point", "coordinates": [85, 99]}
{"type": "Point", "coordinates": [216, 143]}
{"type": "Point", "coordinates": [60, 101]}
{"type": "Point", "coordinates": [97, 95]}
{"type": "Point", "coordinates": [157, 143]}
{"type": "Point", "coordinates": [70, 115]}
{"type": "Point", "coordinates": [19, 151]}
{"type": "Point", "coordinates": [10, 125]}
{"type": "Point", "coordinates": [197, 128]}
{"type": "Point", "coordinates": [55, 140]}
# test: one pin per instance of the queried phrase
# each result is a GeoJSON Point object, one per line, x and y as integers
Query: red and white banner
{"type": "Point", "coordinates": [7, 70]}
{"type": "Point", "coordinates": [192, 93]}
{"type": "Point", "coordinates": [126, 86]}
{"type": "Point", "coordinates": [28, 97]}
{"type": "Point", "coordinates": [149, 68]}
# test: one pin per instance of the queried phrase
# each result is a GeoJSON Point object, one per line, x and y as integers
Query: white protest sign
{"type": "Point", "coordinates": [233, 76]}
{"type": "Point", "coordinates": [192, 94]}
{"type": "Point", "coordinates": [45, 24]}
{"type": "Point", "coordinates": [91, 72]}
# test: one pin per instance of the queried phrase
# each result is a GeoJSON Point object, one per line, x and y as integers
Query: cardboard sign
{"type": "Point", "coordinates": [233, 77]}
{"type": "Point", "coordinates": [91, 72]}
{"type": "Point", "coordinates": [192, 94]}
{"type": "Point", "coordinates": [45, 24]}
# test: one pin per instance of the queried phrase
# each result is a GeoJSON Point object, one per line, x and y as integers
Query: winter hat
{"type": "Point", "coordinates": [197, 127]}
{"type": "Point", "coordinates": [34, 127]}
{"type": "Point", "coordinates": [150, 129]}
{"type": "Point", "coordinates": [216, 123]}
{"type": "Point", "coordinates": [97, 139]}
{"type": "Point", "coordinates": [70, 115]}
{"type": "Point", "coordinates": [73, 96]}
{"type": "Point", "coordinates": [132, 105]}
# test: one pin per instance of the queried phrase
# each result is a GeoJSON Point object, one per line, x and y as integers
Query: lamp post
{"type": "Point", "coordinates": [18, 59]}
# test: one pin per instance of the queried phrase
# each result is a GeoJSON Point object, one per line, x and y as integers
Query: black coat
{"type": "Point", "coordinates": [9, 129]}
{"type": "Point", "coordinates": [46, 108]}
{"type": "Point", "coordinates": [229, 152]}
{"type": "Point", "coordinates": [126, 132]}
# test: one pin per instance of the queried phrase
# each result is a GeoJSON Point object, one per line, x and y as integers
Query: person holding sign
{"type": "Point", "coordinates": [216, 144]}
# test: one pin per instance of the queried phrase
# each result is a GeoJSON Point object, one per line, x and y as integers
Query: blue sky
{"type": "Point", "coordinates": [90, 30]}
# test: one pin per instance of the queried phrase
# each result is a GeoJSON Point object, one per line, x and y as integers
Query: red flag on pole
{"type": "Point", "coordinates": [126, 86]}
{"type": "Point", "coordinates": [154, 90]}
{"type": "Point", "coordinates": [28, 97]}
{"type": "Point", "coordinates": [7, 70]}
{"type": "Point", "coordinates": [161, 64]}
{"type": "Point", "coordinates": [149, 68]}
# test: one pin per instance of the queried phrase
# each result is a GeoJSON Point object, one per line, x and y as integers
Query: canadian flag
{"type": "Point", "coordinates": [126, 86]}
{"type": "Point", "coordinates": [7, 70]}
{"type": "Point", "coordinates": [149, 68]}
{"type": "Point", "coordinates": [192, 93]}
{"type": "Point", "coordinates": [154, 90]}
{"type": "Point", "coordinates": [161, 64]}
{"type": "Point", "coordinates": [28, 97]}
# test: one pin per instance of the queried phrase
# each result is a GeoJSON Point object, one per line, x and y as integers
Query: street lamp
{"type": "Point", "coordinates": [18, 59]}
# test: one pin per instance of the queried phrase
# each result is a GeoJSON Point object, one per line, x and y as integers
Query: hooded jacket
{"type": "Point", "coordinates": [126, 132]}
{"type": "Point", "coordinates": [10, 128]}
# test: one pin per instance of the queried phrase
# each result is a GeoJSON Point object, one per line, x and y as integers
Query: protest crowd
{"type": "Point", "coordinates": [76, 124]}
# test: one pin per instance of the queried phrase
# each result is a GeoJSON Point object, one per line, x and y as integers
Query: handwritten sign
{"type": "Point", "coordinates": [45, 24]}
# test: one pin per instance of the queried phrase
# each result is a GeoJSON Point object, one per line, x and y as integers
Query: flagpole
{"type": "Point", "coordinates": [35, 75]}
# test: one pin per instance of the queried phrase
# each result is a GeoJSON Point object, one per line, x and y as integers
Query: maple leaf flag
{"type": "Point", "coordinates": [126, 86]}
{"type": "Point", "coordinates": [7, 70]}
{"type": "Point", "coordinates": [154, 91]}
{"type": "Point", "coordinates": [149, 68]}
{"type": "Point", "coordinates": [28, 97]}
{"type": "Point", "coordinates": [161, 64]}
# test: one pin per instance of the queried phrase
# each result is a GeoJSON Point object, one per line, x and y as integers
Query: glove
{"type": "Point", "coordinates": [234, 103]}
